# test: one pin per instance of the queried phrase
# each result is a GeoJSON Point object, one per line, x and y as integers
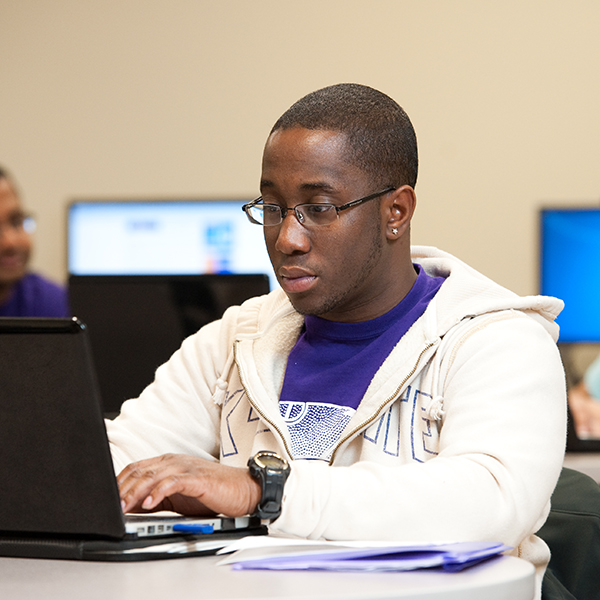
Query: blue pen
{"type": "Point", "coordinates": [193, 528]}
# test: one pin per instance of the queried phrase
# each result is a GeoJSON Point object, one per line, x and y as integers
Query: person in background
{"type": "Point", "coordinates": [23, 293]}
{"type": "Point", "coordinates": [584, 403]}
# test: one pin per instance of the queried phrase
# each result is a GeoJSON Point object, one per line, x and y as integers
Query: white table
{"type": "Point", "coordinates": [502, 578]}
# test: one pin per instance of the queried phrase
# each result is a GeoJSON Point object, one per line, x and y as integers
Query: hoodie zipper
{"type": "Point", "coordinates": [356, 429]}
{"type": "Point", "coordinates": [376, 414]}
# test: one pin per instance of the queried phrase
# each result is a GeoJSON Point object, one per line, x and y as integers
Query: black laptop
{"type": "Point", "coordinates": [59, 494]}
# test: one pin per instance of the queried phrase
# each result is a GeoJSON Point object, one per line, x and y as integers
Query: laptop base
{"type": "Point", "coordinates": [119, 550]}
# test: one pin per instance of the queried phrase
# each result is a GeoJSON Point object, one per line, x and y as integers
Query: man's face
{"type": "Point", "coordinates": [338, 271]}
{"type": "Point", "coordinates": [15, 243]}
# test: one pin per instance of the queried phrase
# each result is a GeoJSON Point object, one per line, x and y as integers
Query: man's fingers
{"type": "Point", "coordinates": [150, 484]}
{"type": "Point", "coordinates": [189, 485]}
{"type": "Point", "coordinates": [145, 484]}
{"type": "Point", "coordinates": [167, 486]}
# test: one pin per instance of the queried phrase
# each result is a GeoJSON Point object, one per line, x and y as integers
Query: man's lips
{"type": "Point", "coordinates": [295, 280]}
{"type": "Point", "coordinates": [12, 261]}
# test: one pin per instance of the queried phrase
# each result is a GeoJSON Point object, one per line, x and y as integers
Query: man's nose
{"type": "Point", "coordinates": [8, 234]}
{"type": "Point", "coordinates": [292, 236]}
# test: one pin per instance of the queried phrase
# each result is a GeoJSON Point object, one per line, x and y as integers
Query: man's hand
{"type": "Point", "coordinates": [585, 411]}
{"type": "Point", "coordinates": [187, 485]}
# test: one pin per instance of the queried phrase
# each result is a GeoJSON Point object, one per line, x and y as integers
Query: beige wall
{"type": "Point", "coordinates": [157, 98]}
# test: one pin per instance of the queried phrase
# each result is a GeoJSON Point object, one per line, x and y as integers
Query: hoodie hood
{"type": "Point", "coordinates": [468, 293]}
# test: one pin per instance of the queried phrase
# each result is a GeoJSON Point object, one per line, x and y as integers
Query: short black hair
{"type": "Point", "coordinates": [4, 174]}
{"type": "Point", "coordinates": [381, 138]}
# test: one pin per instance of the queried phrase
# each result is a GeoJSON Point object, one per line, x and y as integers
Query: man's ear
{"type": "Point", "coordinates": [399, 208]}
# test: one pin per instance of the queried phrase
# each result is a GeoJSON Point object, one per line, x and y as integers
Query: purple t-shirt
{"type": "Point", "coordinates": [36, 296]}
{"type": "Point", "coordinates": [332, 364]}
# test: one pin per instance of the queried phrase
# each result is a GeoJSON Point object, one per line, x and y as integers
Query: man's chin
{"type": "Point", "coordinates": [303, 306]}
{"type": "Point", "coordinates": [9, 277]}
{"type": "Point", "coordinates": [306, 306]}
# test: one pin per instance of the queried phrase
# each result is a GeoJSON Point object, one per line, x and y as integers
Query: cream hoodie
{"type": "Point", "coordinates": [460, 435]}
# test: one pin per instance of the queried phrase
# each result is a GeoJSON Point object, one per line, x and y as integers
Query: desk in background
{"type": "Point", "coordinates": [585, 462]}
{"type": "Point", "coordinates": [502, 578]}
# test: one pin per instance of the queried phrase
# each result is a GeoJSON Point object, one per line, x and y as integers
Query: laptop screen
{"type": "Point", "coordinates": [55, 462]}
{"type": "Point", "coordinates": [164, 237]}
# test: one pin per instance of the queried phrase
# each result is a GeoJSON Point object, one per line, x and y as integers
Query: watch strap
{"type": "Point", "coordinates": [272, 481]}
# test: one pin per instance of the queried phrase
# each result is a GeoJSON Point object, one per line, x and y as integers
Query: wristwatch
{"type": "Point", "coordinates": [271, 472]}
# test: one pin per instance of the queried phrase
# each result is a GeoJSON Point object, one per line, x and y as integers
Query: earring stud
{"type": "Point", "coordinates": [395, 231]}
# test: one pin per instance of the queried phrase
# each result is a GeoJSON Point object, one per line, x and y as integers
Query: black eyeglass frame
{"type": "Point", "coordinates": [283, 210]}
{"type": "Point", "coordinates": [20, 222]}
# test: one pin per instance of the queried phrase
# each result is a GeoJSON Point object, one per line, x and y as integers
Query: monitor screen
{"type": "Point", "coordinates": [570, 269]}
{"type": "Point", "coordinates": [164, 238]}
{"type": "Point", "coordinates": [118, 311]}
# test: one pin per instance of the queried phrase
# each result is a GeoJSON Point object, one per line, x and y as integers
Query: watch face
{"type": "Point", "coordinates": [269, 461]}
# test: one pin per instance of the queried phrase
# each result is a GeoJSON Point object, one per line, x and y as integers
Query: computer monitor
{"type": "Point", "coordinates": [164, 237]}
{"type": "Point", "coordinates": [137, 321]}
{"type": "Point", "coordinates": [570, 269]}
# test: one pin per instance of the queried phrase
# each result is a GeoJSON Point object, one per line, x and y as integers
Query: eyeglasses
{"type": "Point", "coordinates": [18, 223]}
{"type": "Point", "coordinates": [307, 214]}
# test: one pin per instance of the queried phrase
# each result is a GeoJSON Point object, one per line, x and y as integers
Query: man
{"type": "Point", "coordinates": [22, 294]}
{"type": "Point", "coordinates": [584, 402]}
{"type": "Point", "coordinates": [413, 398]}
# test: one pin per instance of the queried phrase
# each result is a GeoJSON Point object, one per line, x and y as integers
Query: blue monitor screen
{"type": "Point", "coordinates": [570, 269]}
{"type": "Point", "coordinates": [164, 238]}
